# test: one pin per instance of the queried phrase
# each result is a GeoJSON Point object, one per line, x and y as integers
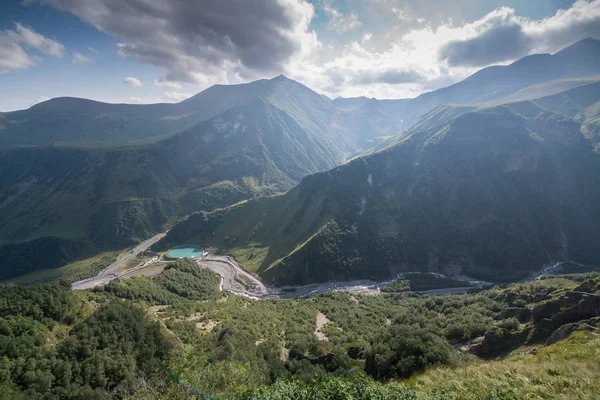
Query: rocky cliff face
{"type": "Point", "coordinates": [552, 318]}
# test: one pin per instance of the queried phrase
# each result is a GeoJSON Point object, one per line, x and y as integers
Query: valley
{"type": "Point", "coordinates": [299, 200]}
{"type": "Point", "coordinates": [102, 177]}
{"type": "Point", "coordinates": [237, 280]}
{"type": "Point", "coordinates": [119, 267]}
{"type": "Point", "coordinates": [397, 343]}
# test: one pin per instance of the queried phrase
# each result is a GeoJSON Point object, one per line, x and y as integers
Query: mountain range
{"type": "Point", "coordinates": [492, 176]}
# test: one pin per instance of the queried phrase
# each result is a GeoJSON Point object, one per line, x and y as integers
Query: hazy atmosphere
{"type": "Point", "coordinates": [299, 199]}
{"type": "Point", "coordinates": [166, 51]}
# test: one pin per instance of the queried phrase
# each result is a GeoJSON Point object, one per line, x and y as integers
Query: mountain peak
{"type": "Point", "coordinates": [589, 39]}
{"type": "Point", "coordinates": [587, 44]}
{"type": "Point", "coordinates": [280, 77]}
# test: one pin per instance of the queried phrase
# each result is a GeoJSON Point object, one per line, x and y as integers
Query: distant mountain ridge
{"type": "Point", "coordinates": [92, 176]}
{"type": "Point", "coordinates": [103, 198]}
{"type": "Point", "coordinates": [581, 59]}
{"type": "Point", "coordinates": [81, 122]}
{"type": "Point", "coordinates": [494, 192]}
{"type": "Point", "coordinates": [87, 123]}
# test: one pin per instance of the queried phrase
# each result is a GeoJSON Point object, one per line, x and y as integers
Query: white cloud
{"type": "Point", "coordinates": [198, 42]}
{"type": "Point", "coordinates": [428, 57]}
{"type": "Point", "coordinates": [27, 36]}
{"type": "Point", "coordinates": [503, 36]}
{"type": "Point", "coordinates": [92, 50]}
{"type": "Point", "coordinates": [40, 99]}
{"type": "Point", "coordinates": [12, 56]}
{"type": "Point", "coordinates": [404, 14]}
{"type": "Point", "coordinates": [131, 81]}
{"type": "Point", "coordinates": [204, 43]}
{"type": "Point", "coordinates": [176, 96]}
{"type": "Point", "coordinates": [144, 100]}
{"type": "Point", "coordinates": [79, 58]}
{"type": "Point", "coordinates": [401, 13]}
{"type": "Point", "coordinates": [15, 43]}
{"type": "Point", "coordinates": [341, 22]}
{"type": "Point", "coordinates": [167, 97]}
{"type": "Point", "coordinates": [168, 84]}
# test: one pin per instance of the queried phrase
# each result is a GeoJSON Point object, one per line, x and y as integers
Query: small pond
{"type": "Point", "coordinates": [185, 252]}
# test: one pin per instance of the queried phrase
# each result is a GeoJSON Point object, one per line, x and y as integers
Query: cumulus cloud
{"type": "Point", "coordinates": [403, 14]}
{"type": "Point", "coordinates": [211, 41]}
{"type": "Point", "coordinates": [79, 58]}
{"type": "Point", "coordinates": [144, 100]}
{"type": "Point", "coordinates": [503, 36]}
{"type": "Point", "coordinates": [197, 42]}
{"type": "Point", "coordinates": [12, 56]}
{"type": "Point", "coordinates": [27, 36]}
{"type": "Point", "coordinates": [339, 21]}
{"type": "Point", "coordinates": [167, 97]}
{"type": "Point", "coordinates": [40, 99]}
{"type": "Point", "coordinates": [131, 81]}
{"type": "Point", "coordinates": [177, 96]}
{"type": "Point", "coordinates": [430, 56]}
{"type": "Point", "coordinates": [168, 84]}
{"type": "Point", "coordinates": [392, 76]}
{"type": "Point", "coordinates": [361, 71]}
{"type": "Point", "coordinates": [14, 46]}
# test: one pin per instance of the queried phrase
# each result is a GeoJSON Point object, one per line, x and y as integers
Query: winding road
{"type": "Point", "coordinates": [113, 271]}
{"type": "Point", "coordinates": [235, 279]}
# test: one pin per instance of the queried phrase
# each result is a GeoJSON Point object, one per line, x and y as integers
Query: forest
{"type": "Point", "coordinates": [176, 336]}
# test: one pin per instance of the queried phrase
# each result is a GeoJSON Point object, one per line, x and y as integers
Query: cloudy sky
{"type": "Point", "coordinates": [142, 51]}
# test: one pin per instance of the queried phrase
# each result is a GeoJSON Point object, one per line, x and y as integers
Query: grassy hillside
{"type": "Point", "coordinates": [581, 59]}
{"type": "Point", "coordinates": [111, 198]}
{"type": "Point", "coordinates": [77, 270]}
{"type": "Point", "coordinates": [175, 335]}
{"type": "Point", "coordinates": [564, 371]}
{"type": "Point", "coordinates": [86, 123]}
{"type": "Point", "coordinates": [561, 371]}
{"type": "Point", "coordinates": [80, 175]}
{"type": "Point", "coordinates": [495, 193]}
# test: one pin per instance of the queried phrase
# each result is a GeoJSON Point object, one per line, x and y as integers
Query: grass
{"type": "Point", "coordinates": [566, 370]}
{"type": "Point", "coordinates": [75, 271]}
{"type": "Point", "coordinates": [149, 271]}
{"type": "Point", "coordinates": [417, 282]}
{"type": "Point", "coordinates": [251, 257]}
{"type": "Point", "coordinates": [131, 264]}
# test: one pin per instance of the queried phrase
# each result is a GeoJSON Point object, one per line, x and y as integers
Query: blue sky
{"type": "Point", "coordinates": [101, 78]}
{"type": "Point", "coordinates": [152, 51]}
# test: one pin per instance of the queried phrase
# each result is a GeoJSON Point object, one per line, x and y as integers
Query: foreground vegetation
{"type": "Point", "coordinates": [72, 272]}
{"type": "Point", "coordinates": [418, 282]}
{"type": "Point", "coordinates": [175, 336]}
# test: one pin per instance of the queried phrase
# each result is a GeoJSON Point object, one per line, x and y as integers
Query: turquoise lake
{"type": "Point", "coordinates": [185, 252]}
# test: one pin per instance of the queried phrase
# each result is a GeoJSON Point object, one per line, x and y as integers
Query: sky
{"type": "Point", "coordinates": [148, 51]}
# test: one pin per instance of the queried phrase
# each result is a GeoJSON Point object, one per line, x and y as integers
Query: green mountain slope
{"type": "Point", "coordinates": [96, 176]}
{"type": "Point", "coordinates": [111, 198]}
{"type": "Point", "coordinates": [494, 193]}
{"type": "Point", "coordinates": [573, 98]}
{"type": "Point", "coordinates": [80, 122]}
{"type": "Point", "coordinates": [360, 121]}
{"type": "Point", "coordinates": [175, 335]}
{"type": "Point", "coordinates": [582, 59]}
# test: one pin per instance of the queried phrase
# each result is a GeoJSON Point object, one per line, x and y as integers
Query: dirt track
{"type": "Point", "coordinates": [234, 278]}
{"type": "Point", "coordinates": [113, 270]}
